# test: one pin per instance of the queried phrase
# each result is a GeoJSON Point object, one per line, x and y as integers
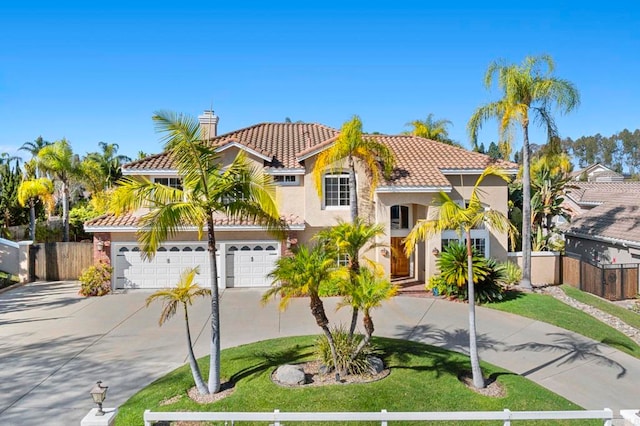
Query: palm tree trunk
{"type": "Point", "coordinates": [355, 269]}
{"type": "Point", "coordinates": [476, 372]}
{"type": "Point", "coordinates": [354, 322]}
{"type": "Point", "coordinates": [368, 329]}
{"type": "Point", "coordinates": [526, 211]}
{"type": "Point", "coordinates": [65, 210]}
{"type": "Point", "coordinates": [317, 310]}
{"type": "Point", "coordinates": [195, 370]}
{"type": "Point", "coordinates": [32, 219]}
{"type": "Point", "coordinates": [214, 359]}
{"type": "Point", "coordinates": [353, 190]}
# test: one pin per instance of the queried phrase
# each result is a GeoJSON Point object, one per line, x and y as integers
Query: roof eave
{"type": "Point", "coordinates": [618, 241]}
{"type": "Point", "coordinates": [408, 189]}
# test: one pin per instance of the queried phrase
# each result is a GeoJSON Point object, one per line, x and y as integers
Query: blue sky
{"type": "Point", "coordinates": [96, 71]}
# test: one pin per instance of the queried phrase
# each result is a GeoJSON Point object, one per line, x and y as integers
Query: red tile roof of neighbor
{"type": "Point", "coordinates": [131, 221]}
{"type": "Point", "coordinates": [618, 219]}
{"type": "Point", "coordinates": [419, 161]}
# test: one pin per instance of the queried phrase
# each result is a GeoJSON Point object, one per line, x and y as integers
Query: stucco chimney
{"type": "Point", "coordinates": [208, 124]}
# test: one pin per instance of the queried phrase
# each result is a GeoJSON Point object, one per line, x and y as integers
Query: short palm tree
{"type": "Point", "coordinates": [183, 294]}
{"type": "Point", "coordinates": [430, 128]}
{"type": "Point", "coordinates": [449, 215]}
{"type": "Point", "coordinates": [29, 193]}
{"type": "Point", "coordinates": [59, 161]}
{"type": "Point", "coordinates": [351, 144]}
{"type": "Point", "coordinates": [369, 291]}
{"type": "Point", "coordinates": [240, 191]}
{"type": "Point", "coordinates": [302, 274]}
{"type": "Point", "coordinates": [349, 240]}
{"type": "Point", "coordinates": [529, 91]}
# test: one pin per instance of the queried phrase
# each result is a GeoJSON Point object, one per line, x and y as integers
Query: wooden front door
{"type": "Point", "coordinates": [399, 262]}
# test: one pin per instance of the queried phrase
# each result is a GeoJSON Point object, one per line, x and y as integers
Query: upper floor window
{"type": "Point", "coordinates": [336, 190]}
{"type": "Point", "coordinates": [286, 179]}
{"type": "Point", "coordinates": [170, 182]}
{"type": "Point", "coordinates": [399, 217]}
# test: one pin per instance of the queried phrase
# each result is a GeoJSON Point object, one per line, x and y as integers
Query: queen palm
{"type": "Point", "coordinates": [34, 149]}
{"type": "Point", "coordinates": [183, 294]}
{"type": "Point", "coordinates": [430, 128]}
{"type": "Point", "coordinates": [29, 193]}
{"type": "Point", "coordinates": [302, 275]}
{"type": "Point", "coordinates": [239, 191]}
{"type": "Point", "coordinates": [108, 163]}
{"type": "Point", "coordinates": [449, 215]}
{"type": "Point", "coordinates": [346, 241]}
{"type": "Point", "coordinates": [59, 161]}
{"type": "Point", "coordinates": [351, 144]}
{"type": "Point", "coordinates": [528, 91]}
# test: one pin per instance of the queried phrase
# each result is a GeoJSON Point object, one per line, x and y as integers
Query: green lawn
{"type": "Point", "coordinates": [626, 315]}
{"type": "Point", "coordinates": [423, 378]}
{"type": "Point", "coordinates": [548, 309]}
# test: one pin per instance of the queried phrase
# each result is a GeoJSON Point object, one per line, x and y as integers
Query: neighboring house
{"type": "Point", "coordinates": [584, 196]}
{"type": "Point", "coordinates": [288, 151]}
{"type": "Point", "coordinates": [597, 173]}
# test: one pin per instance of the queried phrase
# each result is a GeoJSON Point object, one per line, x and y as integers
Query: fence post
{"type": "Point", "coordinates": [384, 422]}
{"type": "Point", "coordinates": [275, 417]}
{"type": "Point", "coordinates": [609, 421]}
{"type": "Point", "coordinates": [507, 421]}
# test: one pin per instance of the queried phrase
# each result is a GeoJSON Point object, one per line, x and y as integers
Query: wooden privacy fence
{"type": "Point", "coordinates": [611, 281]}
{"type": "Point", "coordinates": [59, 261]}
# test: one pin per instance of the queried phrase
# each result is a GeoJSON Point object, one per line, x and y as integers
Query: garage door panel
{"type": "Point", "coordinates": [249, 264]}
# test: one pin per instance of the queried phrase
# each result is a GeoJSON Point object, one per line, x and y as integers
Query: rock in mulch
{"type": "Point", "coordinates": [290, 374]}
{"type": "Point", "coordinates": [376, 365]}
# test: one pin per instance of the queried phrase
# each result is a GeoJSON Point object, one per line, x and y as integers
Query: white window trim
{"type": "Point", "coordinates": [296, 181]}
{"type": "Point", "coordinates": [156, 178]}
{"type": "Point", "coordinates": [401, 232]}
{"type": "Point", "coordinates": [475, 234]}
{"type": "Point", "coordinates": [324, 191]}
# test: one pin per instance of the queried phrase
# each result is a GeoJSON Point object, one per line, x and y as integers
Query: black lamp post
{"type": "Point", "coordinates": [99, 394]}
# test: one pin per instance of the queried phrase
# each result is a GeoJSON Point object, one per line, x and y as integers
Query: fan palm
{"type": "Point", "coordinates": [302, 274]}
{"type": "Point", "coordinates": [29, 192]}
{"type": "Point", "coordinates": [63, 165]}
{"type": "Point", "coordinates": [351, 144]}
{"type": "Point", "coordinates": [183, 294]}
{"type": "Point", "coordinates": [528, 92]}
{"type": "Point", "coordinates": [431, 128]}
{"type": "Point", "coordinates": [240, 191]}
{"type": "Point", "coordinates": [449, 215]}
{"type": "Point", "coordinates": [348, 240]}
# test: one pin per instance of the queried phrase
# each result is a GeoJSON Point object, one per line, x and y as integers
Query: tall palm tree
{"type": "Point", "coordinates": [528, 91]}
{"type": "Point", "coordinates": [239, 191]}
{"type": "Point", "coordinates": [348, 240]}
{"type": "Point", "coordinates": [370, 290]}
{"type": "Point", "coordinates": [302, 275]}
{"type": "Point", "coordinates": [29, 193]}
{"type": "Point", "coordinates": [59, 161]}
{"type": "Point", "coordinates": [108, 162]}
{"type": "Point", "coordinates": [183, 294]}
{"type": "Point", "coordinates": [430, 128]}
{"type": "Point", "coordinates": [449, 215]}
{"type": "Point", "coordinates": [351, 144]}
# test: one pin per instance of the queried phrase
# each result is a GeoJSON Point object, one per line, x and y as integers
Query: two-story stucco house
{"type": "Point", "coordinates": [288, 151]}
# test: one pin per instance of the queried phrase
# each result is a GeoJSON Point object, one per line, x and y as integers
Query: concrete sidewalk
{"type": "Point", "coordinates": [54, 345]}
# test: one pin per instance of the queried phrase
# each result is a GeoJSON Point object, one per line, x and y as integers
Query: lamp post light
{"type": "Point", "coordinates": [99, 394]}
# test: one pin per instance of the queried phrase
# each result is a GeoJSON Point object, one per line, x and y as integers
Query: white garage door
{"type": "Point", "coordinates": [164, 270]}
{"type": "Point", "coordinates": [247, 265]}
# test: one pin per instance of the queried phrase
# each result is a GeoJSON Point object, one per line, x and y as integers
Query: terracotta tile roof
{"type": "Point", "coordinates": [618, 219]}
{"type": "Point", "coordinates": [131, 220]}
{"type": "Point", "coordinates": [599, 192]}
{"type": "Point", "coordinates": [281, 141]}
{"type": "Point", "coordinates": [420, 162]}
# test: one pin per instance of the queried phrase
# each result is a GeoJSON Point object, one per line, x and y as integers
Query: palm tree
{"type": "Point", "coordinates": [449, 215]}
{"type": "Point", "coordinates": [108, 163]}
{"type": "Point", "coordinates": [302, 275]}
{"type": "Point", "coordinates": [183, 293]}
{"type": "Point", "coordinates": [528, 91]}
{"type": "Point", "coordinates": [351, 144]}
{"type": "Point", "coordinates": [63, 165]}
{"type": "Point", "coordinates": [239, 191]}
{"type": "Point", "coordinates": [369, 291]}
{"type": "Point", "coordinates": [431, 128]}
{"type": "Point", "coordinates": [34, 149]}
{"type": "Point", "coordinates": [29, 192]}
{"type": "Point", "coordinates": [347, 240]}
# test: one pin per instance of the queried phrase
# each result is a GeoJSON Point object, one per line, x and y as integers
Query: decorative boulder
{"type": "Point", "coordinates": [376, 365]}
{"type": "Point", "coordinates": [290, 374]}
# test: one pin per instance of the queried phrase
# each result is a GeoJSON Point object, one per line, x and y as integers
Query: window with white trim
{"type": "Point", "coordinates": [399, 217]}
{"type": "Point", "coordinates": [336, 190]}
{"type": "Point", "coordinates": [479, 240]}
{"type": "Point", "coordinates": [286, 179]}
{"type": "Point", "coordinates": [343, 259]}
{"type": "Point", "coordinates": [170, 182]}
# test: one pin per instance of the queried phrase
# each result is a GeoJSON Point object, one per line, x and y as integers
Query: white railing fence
{"type": "Point", "coordinates": [276, 418]}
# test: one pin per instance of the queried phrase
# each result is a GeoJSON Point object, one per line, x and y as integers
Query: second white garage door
{"type": "Point", "coordinates": [247, 265]}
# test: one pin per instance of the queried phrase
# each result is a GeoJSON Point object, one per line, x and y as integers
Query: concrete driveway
{"type": "Point", "coordinates": [54, 345]}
